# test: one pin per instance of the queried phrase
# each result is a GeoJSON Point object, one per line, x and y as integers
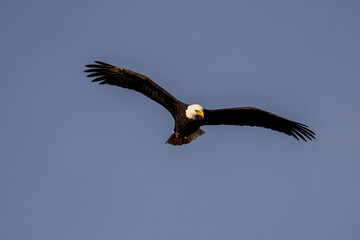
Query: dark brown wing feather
{"type": "Point", "coordinates": [255, 117]}
{"type": "Point", "coordinates": [121, 77]}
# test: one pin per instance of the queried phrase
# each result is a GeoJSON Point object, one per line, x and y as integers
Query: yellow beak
{"type": "Point", "coordinates": [201, 113]}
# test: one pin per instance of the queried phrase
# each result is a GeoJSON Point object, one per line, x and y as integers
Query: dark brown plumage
{"type": "Point", "coordinates": [189, 118]}
{"type": "Point", "coordinates": [121, 77]}
{"type": "Point", "coordinates": [248, 116]}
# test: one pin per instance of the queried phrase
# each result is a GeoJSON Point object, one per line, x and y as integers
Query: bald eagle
{"type": "Point", "coordinates": [189, 118]}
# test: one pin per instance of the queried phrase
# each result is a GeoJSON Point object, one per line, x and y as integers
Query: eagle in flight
{"type": "Point", "coordinates": [189, 118]}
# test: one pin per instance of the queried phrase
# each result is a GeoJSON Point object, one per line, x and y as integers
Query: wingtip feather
{"type": "Point", "coordinates": [102, 63]}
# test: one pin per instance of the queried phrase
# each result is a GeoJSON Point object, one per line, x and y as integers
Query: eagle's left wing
{"type": "Point", "coordinates": [255, 117]}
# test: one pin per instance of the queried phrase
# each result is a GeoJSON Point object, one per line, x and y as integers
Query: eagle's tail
{"type": "Point", "coordinates": [177, 139]}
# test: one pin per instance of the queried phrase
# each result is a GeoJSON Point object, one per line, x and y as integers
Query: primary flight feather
{"type": "Point", "coordinates": [189, 118]}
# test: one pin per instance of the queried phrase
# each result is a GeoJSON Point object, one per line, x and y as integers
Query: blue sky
{"type": "Point", "coordinates": [82, 161]}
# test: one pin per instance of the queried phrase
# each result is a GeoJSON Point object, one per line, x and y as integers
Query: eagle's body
{"type": "Point", "coordinates": [185, 129]}
{"type": "Point", "coordinates": [189, 118]}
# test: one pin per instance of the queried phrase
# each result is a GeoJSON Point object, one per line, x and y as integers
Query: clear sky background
{"type": "Point", "coordinates": [85, 162]}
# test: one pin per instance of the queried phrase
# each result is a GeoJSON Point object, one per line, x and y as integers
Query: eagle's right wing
{"type": "Point", "coordinates": [121, 77]}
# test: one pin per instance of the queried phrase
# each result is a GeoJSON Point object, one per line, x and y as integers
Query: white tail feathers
{"type": "Point", "coordinates": [176, 139]}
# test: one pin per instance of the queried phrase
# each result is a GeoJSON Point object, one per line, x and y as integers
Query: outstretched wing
{"type": "Point", "coordinates": [255, 117]}
{"type": "Point", "coordinates": [121, 77]}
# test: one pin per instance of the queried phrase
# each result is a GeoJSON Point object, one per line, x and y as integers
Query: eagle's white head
{"type": "Point", "coordinates": [194, 112]}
